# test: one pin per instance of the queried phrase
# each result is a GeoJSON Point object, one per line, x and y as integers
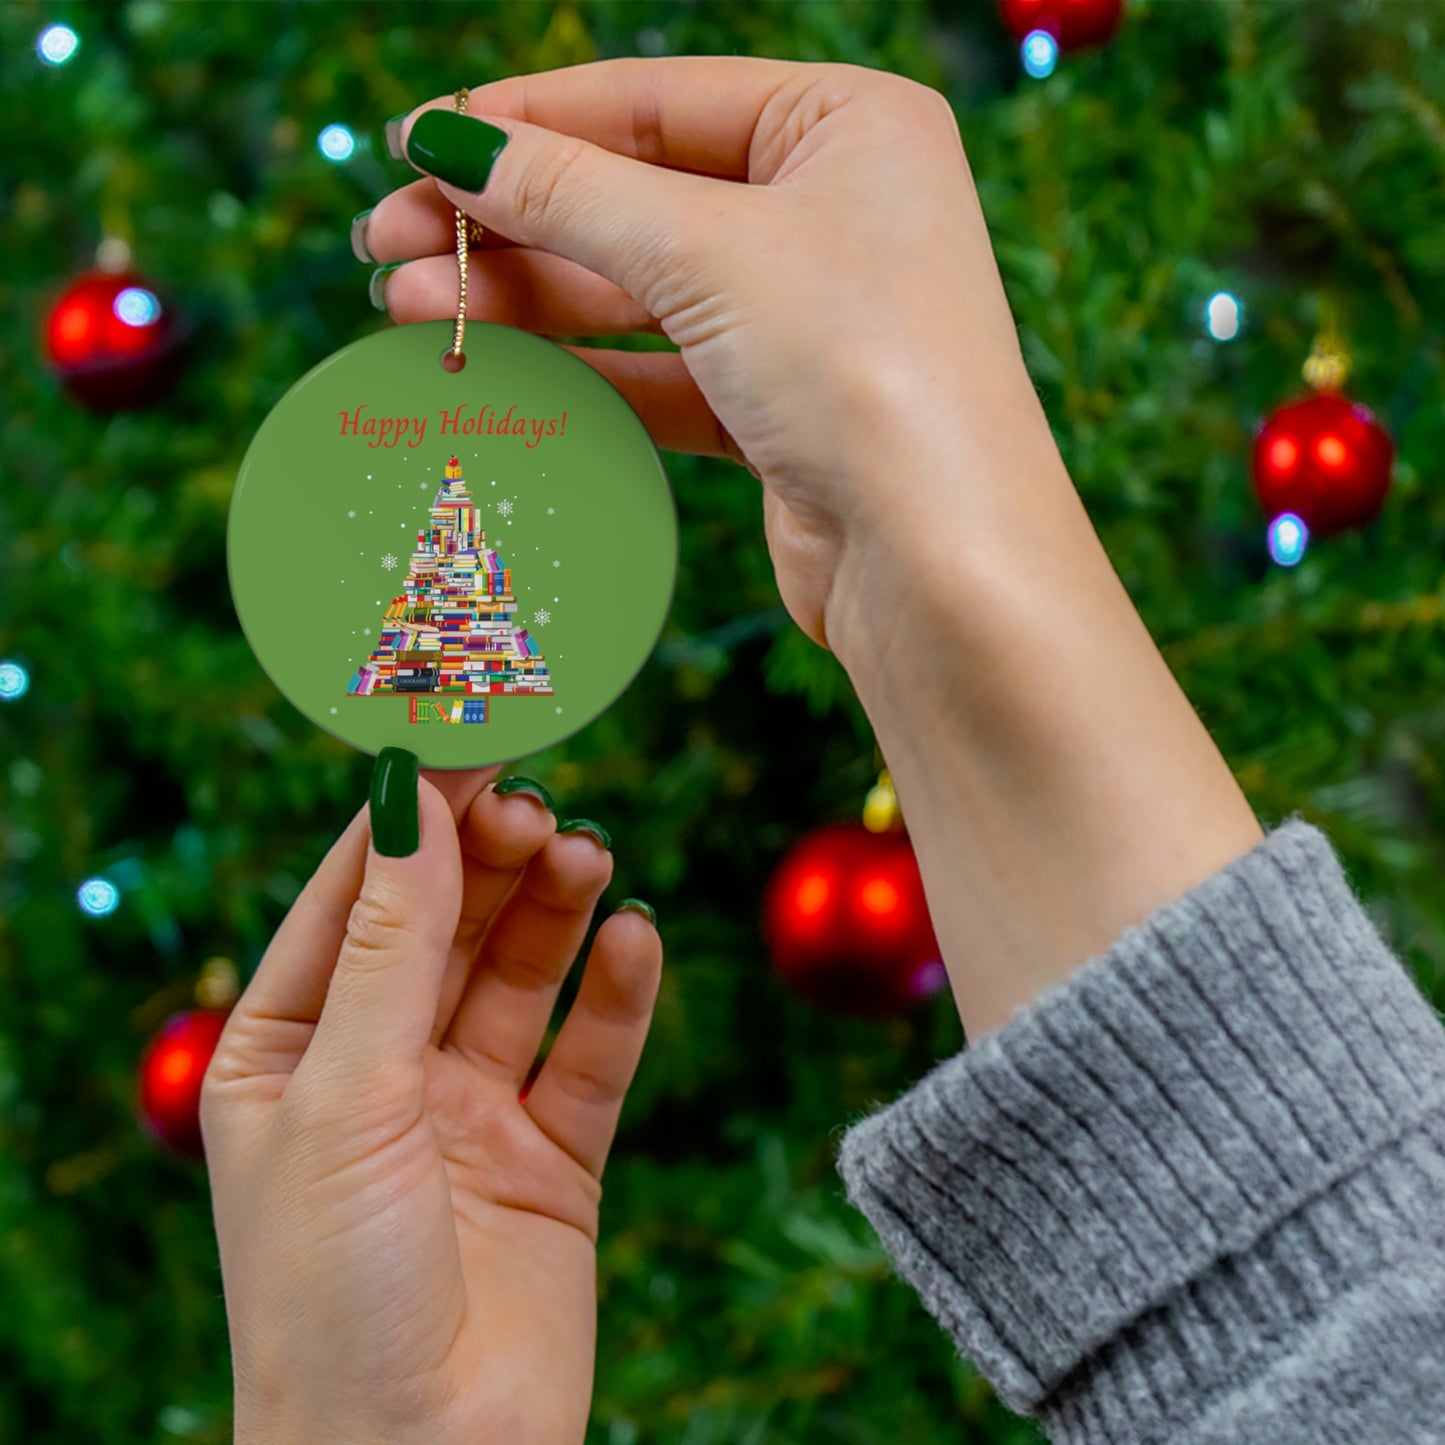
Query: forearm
{"type": "Point", "coordinates": [1057, 784]}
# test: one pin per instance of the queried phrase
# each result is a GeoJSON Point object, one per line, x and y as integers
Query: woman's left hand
{"type": "Point", "coordinates": [407, 1236]}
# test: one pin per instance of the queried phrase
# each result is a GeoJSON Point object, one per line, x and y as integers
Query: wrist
{"type": "Point", "coordinates": [1056, 782]}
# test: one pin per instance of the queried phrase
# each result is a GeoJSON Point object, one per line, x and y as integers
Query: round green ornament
{"type": "Point", "coordinates": [472, 565]}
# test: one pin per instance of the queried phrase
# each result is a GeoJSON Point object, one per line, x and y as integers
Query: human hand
{"type": "Point", "coordinates": [841, 304]}
{"type": "Point", "coordinates": [407, 1235]}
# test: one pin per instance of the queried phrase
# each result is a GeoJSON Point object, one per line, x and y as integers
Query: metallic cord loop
{"type": "Point", "coordinates": [469, 232]}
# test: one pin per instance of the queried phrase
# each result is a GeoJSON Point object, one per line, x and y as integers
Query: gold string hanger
{"type": "Point", "coordinates": [469, 233]}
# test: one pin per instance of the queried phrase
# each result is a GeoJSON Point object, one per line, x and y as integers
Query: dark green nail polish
{"type": "Point", "coordinates": [526, 785]}
{"type": "Point", "coordinates": [636, 905]}
{"type": "Point", "coordinates": [455, 148]}
{"type": "Point", "coordinates": [392, 131]}
{"type": "Point", "coordinates": [359, 247]}
{"type": "Point", "coordinates": [395, 814]}
{"type": "Point", "coordinates": [376, 287]}
{"type": "Point", "coordinates": [586, 825]}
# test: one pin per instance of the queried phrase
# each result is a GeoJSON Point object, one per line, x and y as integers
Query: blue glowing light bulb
{"type": "Point", "coordinates": [336, 143]}
{"type": "Point", "coordinates": [14, 681]}
{"type": "Point", "coordinates": [1040, 53]}
{"type": "Point", "coordinates": [57, 44]}
{"type": "Point", "coordinates": [1288, 538]}
{"type": "Point", "coordinates": [98, 897]}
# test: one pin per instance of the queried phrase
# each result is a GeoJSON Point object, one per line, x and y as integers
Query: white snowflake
{"type": "Point", "coordinates": [333, 710]}
{"type": "Point", "coordinates": [389, 561]}
{"type": "Point", "coordinates": [556, 564]}
{"type": "Point", "coordinates": [550, 510]}
{"type": "Point", "coordinates": [504, 507]}
{"type": "Point", "coordinates": [366, 632]}
{"type": "Point", "coordinates": [351, 514]}
{"type": "Point", "coordinates": [543, 617]}
{"type": "Point", "coordinates": [559, 709]}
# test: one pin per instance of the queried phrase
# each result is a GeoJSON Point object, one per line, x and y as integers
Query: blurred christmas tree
{"type": "Point", "coordinates": [1271, 155]}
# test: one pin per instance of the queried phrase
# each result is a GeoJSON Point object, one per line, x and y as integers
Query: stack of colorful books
{"type": "Point", "coordinates": [453, 628]}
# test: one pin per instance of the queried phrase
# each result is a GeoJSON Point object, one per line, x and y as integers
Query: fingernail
{"type": "Point", "coordinates": [376, 287]}
{"type": "Point", "coordinates": [455, 148]}
{"type": "Point", "coordinates": [395, 814]}
{"type": "Point", "coordinates": [586, 825]}
{"type": "Point", "coordinates": [530, 787]}
{"type": "Point", "coordinates": [359, 247]}
{"type": "Point", "coordinates": [393, 136]}
{"type": "Point", "coordinates": [636, 905]}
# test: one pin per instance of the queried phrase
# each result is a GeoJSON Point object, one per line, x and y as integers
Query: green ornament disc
{"type": "Point", "coordinates": [472, 565]}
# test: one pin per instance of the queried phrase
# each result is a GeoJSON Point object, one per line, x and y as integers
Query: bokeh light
{"type": "Point", "coordinates": [1040, 52]}
{"type": "Point", "coordinates": [14, 681]}
{"type": "Point", "coordinates": [57, 44]}
{"type": "Point", "coordinates": [1223, 316]}
{"type": "Point", "coordinates": [336, 143]}
{"type": "Point", "coordinates": [1288, 537]}
{"type": "Point", "coordinates": [137, 307]}
{"type": "Point", "coordinates": [98, 897]}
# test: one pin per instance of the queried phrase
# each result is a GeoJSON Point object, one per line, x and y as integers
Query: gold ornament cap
{"type": "Point", "coordinates": [880, 810]}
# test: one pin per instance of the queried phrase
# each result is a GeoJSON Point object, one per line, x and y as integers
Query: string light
{"type": "Point", "coordinates": [137, 307]}
{"type": "Point", "coordinates": [14, 681]}
{"type": "Point", "coordinates": [1040, 52]}
{"type": "Point", "coordinates": [336, 143]}
{"type": "Point", "coordinates": [1288, 537]}
{"type": "Point", "coordinates": [1223, 316]}
{"type": "Point", "coordinates": [98, 897]}
{"type": "Point", "coordinates": [57, 44]}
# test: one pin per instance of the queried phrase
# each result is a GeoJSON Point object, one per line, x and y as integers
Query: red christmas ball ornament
{"type": "Point", "coordinates": [1072, 23]}
{"type": "Point", "coordinates": [112, 342]}
{"type": "Point", "coordinates": [171, 1072]}
{"type": "Point", "coordinates": [847, 924]}
{"type": "Point", "coordinates": [1324, 458]}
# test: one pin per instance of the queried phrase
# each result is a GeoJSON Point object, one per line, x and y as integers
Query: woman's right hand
{"type": "Point", "coordinates": [842, 302]}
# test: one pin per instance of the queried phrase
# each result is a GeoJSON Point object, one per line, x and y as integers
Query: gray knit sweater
{"type": "Point", "coordinates": [1196, 1192]}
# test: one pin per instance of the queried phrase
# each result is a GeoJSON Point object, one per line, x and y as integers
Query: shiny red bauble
{"type": "Point", "coordinates": [1324, 458]}
{"type": "Point", "coordinates": [112, 341]}
{"type": "Point", "coordinates": [1073, 23]}
{"type": "Point", "coordinates": [847, 924]}
{"type": "Point", "coordinates": [171, 1072]}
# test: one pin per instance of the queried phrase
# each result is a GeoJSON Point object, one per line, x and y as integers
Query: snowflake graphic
{"type": "Point", "coordinates": [504, 508]}
{"type": "Point", "coordinates": [351, 514]}
{"type": "Point", "coordinates": [388, 561]}
{"type": "Point", "coordinates": [366, 632]}
{"type": "Point", "coordinates": [550, 510]}
{"type": "Point", "coordinates": [559, 709]}
{"type": "Point", "coordinates": [333, 712]}
{"type": "Point", "coordinates": [543, 617]}
{"type": "Point", "coordinates": [556, 564]}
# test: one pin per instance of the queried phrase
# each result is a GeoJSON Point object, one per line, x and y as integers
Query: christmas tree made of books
{"type": "Point", "coordinates": [451, 632]}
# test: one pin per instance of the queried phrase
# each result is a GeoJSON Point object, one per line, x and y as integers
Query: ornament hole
{"type": "Point", "coordinates": [453, 361]}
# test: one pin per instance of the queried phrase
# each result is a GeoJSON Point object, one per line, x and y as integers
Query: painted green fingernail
{"type": "Point", "coordinates": [529, 786]}
{"type": "Point", "coordinates": [636, 905]}
{"type": "Point", "coordinates": [392, 131]}
{"type": "Point", "coordinates": [586, 825]}
{"type": "Point", "coordinates": [395, 820]}
{"type": "Point", "coordinates": [455, 148]}
{"type": "Point", "coordinates": [376, 288]}
{"type": "Point", "coordinates": [359, 247]}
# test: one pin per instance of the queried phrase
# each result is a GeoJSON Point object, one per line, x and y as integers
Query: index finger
{"type": "Point", "coordinates": [695, 113]}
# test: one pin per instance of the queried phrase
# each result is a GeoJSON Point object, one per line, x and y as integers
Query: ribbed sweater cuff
{"type": "Point", "coordinates": [1127, 1174]}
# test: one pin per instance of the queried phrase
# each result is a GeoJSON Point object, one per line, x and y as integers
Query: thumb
{"type": "Point", "coordinates": [382, 999]}
{"type": "Point", "coordinates": [628, 221]}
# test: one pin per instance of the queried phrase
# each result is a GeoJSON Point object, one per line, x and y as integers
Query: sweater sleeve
{"type": "Point", "coordinates": [1196, 1192]}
